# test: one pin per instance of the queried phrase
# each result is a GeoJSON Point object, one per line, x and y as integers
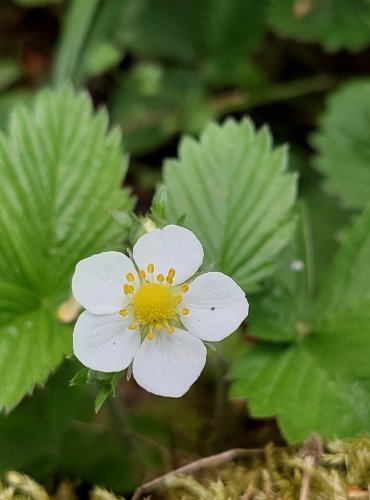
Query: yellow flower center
{"type": "Point", "coordinates": [154, 303]}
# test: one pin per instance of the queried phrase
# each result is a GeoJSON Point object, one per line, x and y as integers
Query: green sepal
{"type": "Point", "coordinates": [108, 383]}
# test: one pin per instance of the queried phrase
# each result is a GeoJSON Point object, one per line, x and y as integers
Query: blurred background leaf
{"type": "Point", "coordinates": [336, 24]}
{"type": "Point", "coordinates": [36, 3]}
{"type": "Point", "coordinates": [213, 34]}
{"type": "Point", "coordinates": [54, 434]}
{"type": "Point", "coordinates": [342, 142]}
{"type": "Point", "coordinates": [152, 104]}
{"type": "Point", "coordinates": [10, 72]}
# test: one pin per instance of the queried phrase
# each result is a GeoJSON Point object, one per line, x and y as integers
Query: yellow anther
{"type": "Point", "coordinates": [171, 272]}
{"type": "Point", "coordinates": [150, 268]}
{"type": "Point", "coordinates": [178, 299]}
{"type": "Point", "coordinates": [126, 288]}
{"type": "Point", "coordinates": [150, 336]}
{"type": "Point", "coordinates": [185, 287]}
{"type": "Point", "coordinates": [158, 327]}
{"type": "Point", "coordinates": [160, 278]}
{"type": "Point", "coordinates": [185, 311]}
{"type": "Point", "coordinates": [169, 280]}
{"type": "Point", "coordinates": [132, 326]}
{"type": "Point", "coordinates": [170, 329]}
{"type": "Point", "coordinates": [130, 277]}
{"type": "Point", "coordinates": [123, 312]}
{"type": "Point", "coordinates": [142, 274]}
{"type": "Point", "coordinates": [129, 288]}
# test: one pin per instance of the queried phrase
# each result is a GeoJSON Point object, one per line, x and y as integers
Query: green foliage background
{"type": "Point", "coordinates": [247, 122]}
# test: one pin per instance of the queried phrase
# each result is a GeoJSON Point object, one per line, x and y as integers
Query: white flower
{"type": "Point", "coordinates": [151, 313]}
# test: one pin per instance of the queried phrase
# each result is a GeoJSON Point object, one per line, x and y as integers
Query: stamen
{"type": "Point", "coordinates": [171, 273]}
{"type": "Point", "coordinates": [185, 287]}
{"type": "Point", "coordinates": [158, 327]}
{"type": "Point", "coordinates": [160, 278]}
{"type": "Point", "coordinates": [150, 268]}
{"type": "Point", "coordinates": [185, 311]}
{"type": "Point", "coordinates": [123, 312]}
{"type": "Point", "coordinates": [150, 336]}
{"type": "Point", "coordinates": [142, 274]}
{"type": "Point", "coordinates": [178, 299]}
{"type": "Point", "coordinates": [170, 329]}
{"type": "Point", "coordinates": [169, 280]}
{"type": "Point", "coordinates": [128, 288]}
{"type": "Point", "coordinates": [132, 326]}
{"type": "Point", "coordinates": [130, 277]}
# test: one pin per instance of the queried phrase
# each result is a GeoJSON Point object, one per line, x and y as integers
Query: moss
{"type": "Point", "coordinates": [342, 472]}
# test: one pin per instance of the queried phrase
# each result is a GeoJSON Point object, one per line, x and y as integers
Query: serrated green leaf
{"type": "Point", "coordinates": [321, 383]}
{"type": "Point", "coordinates": [236, 194]}
{"type": "Point", "coordinates": [61, 173]}
{"type": "Point", "coordinates": [336, 24]}
{"type": "Point", "coordinates": [308, 386]}
{"type": "Point", "coordinates": [343, 143]}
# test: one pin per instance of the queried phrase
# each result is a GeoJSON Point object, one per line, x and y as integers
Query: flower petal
{"type": "Point", "coordinates": [217, 306]}
{"type": "Point", "coordinates": [98, 280]}
{"type": "Point", "coordinates": [170, 363]}
{"type": "Point", "coordinates": [172, 247]}
{"type": "Point", "coordinates": [104, 343]}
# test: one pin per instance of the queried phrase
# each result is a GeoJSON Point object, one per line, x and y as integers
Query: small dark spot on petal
{"type": "Point", "coordinates": [114, 343]}
{"type": "Point", "coordinates": [213, 308]}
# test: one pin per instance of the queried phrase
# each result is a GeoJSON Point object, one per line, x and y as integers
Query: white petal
{"type": "Point", "coordinates": [217, 306]}
{"type": "Point", "coordinates": [172, 247]}
{"type": "Point", "coordinates": [170, 363]}
{"type": "Point", "coordinates": [98, 280]}
{"type": "Point", "coordinates": [104, 343]}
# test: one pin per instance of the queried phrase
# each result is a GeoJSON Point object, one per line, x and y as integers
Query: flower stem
{"type": "Point", "coordinates": [241, 100]}
{"type": "Point", "coordinates": [122, 423]}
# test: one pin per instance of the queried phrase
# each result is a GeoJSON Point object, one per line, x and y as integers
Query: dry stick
{"type": "Point", "coordinates": [306, 479]}
{"type": "Point", "coordinates": [200, 464]}
{"type": "Point", "coordinates": [311, 452]}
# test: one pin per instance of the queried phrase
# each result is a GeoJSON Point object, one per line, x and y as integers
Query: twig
{"type": "Point", "coordinates": [238, 100]}
{"type": "Point", "coordinates": [311, 453]}
{"type": "Point", "coordinates": [306, 479]}
{"type": "Point", "coordinates": [200, 464]}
